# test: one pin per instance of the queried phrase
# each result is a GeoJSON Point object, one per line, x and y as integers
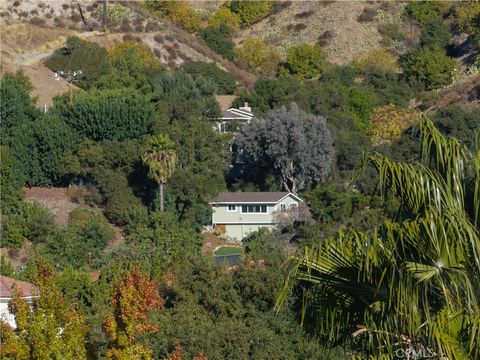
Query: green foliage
{"type": "Point", "coordinates": [378, 58]}
{"type": "Point", "coordinates": [107, 114]}
{"type": "Point", "coordinates": [82, 55]}
{"type": "Point", "coordinates": [305, 61]}
{"type": "Point", "coordinates": [431, 67]}
{"type": "Point", "coordinates": [387, 87]}
{"type": "Point", "coordinates": [115, 12]}
{"type": "Point", "coordinates": [360, 104]}
{"type": "Point", "coordinates": [219, 39]}
{"type": "Point", "coordinates": [257, 55]}
{"type": "Point", "coordinates": [435, 34]}
{"type": "Point", "coordinates": [225, 82]}
{"type": "Point", "coordinates": [425, 11]}
{"type": "Point", "coordinates": [389, 277]}
{"type": "Point", "coordinates": [180, 96]}
{"type": "Point", "coordinates": [6, 268]}
{"type": "Point", "coordinates": [176, 11]}
{"type": "Point", "coordinates": [224, 16]}
{"type": "Point", "coordinates": [251, 12]}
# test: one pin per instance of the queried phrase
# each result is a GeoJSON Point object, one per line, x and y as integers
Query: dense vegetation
{"type": "Point", "coordinates": [126, 278]}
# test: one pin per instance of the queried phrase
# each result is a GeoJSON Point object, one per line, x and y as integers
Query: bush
{"type": "Point", "coordinates": [219, 40]}
{"type": "Point", "coordinates": [305, 61]}
{"type": "Point", "coordinates": [391, 31]}
{"type": "Point", "coordinates": [142, 52]}
{"type": "Point", "coordinates": [115, 12]}
{"type": "Point", "coordinates": [425, 11]}
{"type": "Point", "coordinates": [178, 12]}
{"type": "Point", "coordinates": [107, 114]}
{"type": "Point", "coordinates": [251, 12]}
{"type": "Point", "coordinates": [387, 87]}
{"type": "Point", "coordinates": [465, 14]}
{"type": "Point", "coordinates": [224, 81]}
{"type": "Point", "coordinates": [435, 34]}
{"type": "Point", "coordinates": [389, 122]}
{"type": "Point", "coordinates": [224, 16]}
{"type": "Point", "coordinates": [82, 55]}
{"type": "Point", "coordinates": [431, 67]}
{"type": "Point", "coordinates": [379, 58]}
{"type": "Point", "coordinates": [257, 55]}
{"type": "Point", "coordinates": [368, 14]}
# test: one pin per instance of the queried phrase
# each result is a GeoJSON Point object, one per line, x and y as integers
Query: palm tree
{"type": "Point", "coordinates": [410, 289]}
{"type": "Point", "coordinates": [161, 158]}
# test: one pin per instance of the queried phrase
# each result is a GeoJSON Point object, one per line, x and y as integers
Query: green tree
{"type": "Point", "coordinates": [251, 12]}
{"type": "Point", "coordinates": [160, 157]}
{"type": "Point", "coordinates": [425, 11]}
{"type": "Point", "coordinates": [219, 39]}
{"type": "Point", "coordinates": [414, 284]}
{"type": "Point", "coordinates": [224, 16]}
{"type": "Point", "coordinates": [107, 114]}
{"type": "Point", "coordinates": [259, 56]}
{"type": "Point", "coordinates": [305, 61]}
{"type": "Point", "coordinates": [429, 66]}
{"type": "Point", "coordinates": [225, 82]}
{"type": "Point", "coordinates": [50, 329]}
{"type": "Point", "coordinates": [435, 34]}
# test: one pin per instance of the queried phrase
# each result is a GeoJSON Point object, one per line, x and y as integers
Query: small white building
{"type": "Point", "coordinates": [7, 288]}
{"type": "Point", "coordinates": [236, 214]}
{"type": "Point", "coordinates": [234, 118]}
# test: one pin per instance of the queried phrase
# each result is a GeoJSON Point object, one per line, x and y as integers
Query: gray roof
{"type": "Point", "coordinates": [236, 114]}
{"type": "Point", "coordinates": [251, 197]}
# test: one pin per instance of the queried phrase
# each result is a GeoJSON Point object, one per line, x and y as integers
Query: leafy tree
{"type": "Point", "coordinates": [219, 39]}
{"type": "Point", "coordinates": [51, 328]}
{"type": "Point", "coordinates": [429, 66]}
{"type": "Point", "coordinates": [177, 11]}
{"type": "Point", "coordinates": [295, 144]}
{"type": "Point", "coordinates": [389, 122]}
{"type": "Point", "coordinates": [257, 55]}
{"type": "Point", "coordinates": [107, 114]}
{"type": "Point", "coordinates": [360, 105]}
{"type": "Point", "coordinates": [305, 61]}
{"type": "Point", "coordinates": [133, 297]}
{"type": "Point", "coordinates": [379, 58]}
{"type": "Point", "coordinates": [387, 87]}
{"type": "Point", "coordinates": [465, 13]}
{"type": "Point", "coordinates": [224, 81]}
{"type": "Point", "coordinates": [251, 12]}
{"type": "Point", "coordinates": [82, 55]}
{"type": "Point", "coordinates": [179, 96]}
{"type": "Point", "coordinates": [160, 157]}
{"type": "Point", "coordinates": [425, 11]}
{"type": "Point", "coordinates": [417, 277]}
{"type": "Point", "coordinates": [435, 34]}
{"type": "Point", "coordinates": [224, 16]}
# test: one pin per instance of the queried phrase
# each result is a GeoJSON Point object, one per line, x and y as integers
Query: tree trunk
{"type": "Point", "coordinates": [161, 196]}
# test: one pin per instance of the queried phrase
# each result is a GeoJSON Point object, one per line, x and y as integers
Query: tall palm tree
{"type": "Point", "coordinates": [161, 158]}
{"type": "Point", "coordinates": [410, 289]}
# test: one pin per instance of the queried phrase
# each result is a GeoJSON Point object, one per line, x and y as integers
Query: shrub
{"type": "Point", "coordinates": [368, 14]}
{"type": "Point", "coordinates": [257, 55]}
{"type": "Point", "coordinates": [391, 31]}
{"type": "Point", "coordinates": [37, 21]}
{"type": "Point", "coordinates": [107, 114]}
{"type": "Point", "coordinates": [305, 61]}
{"type": "Point", "coordinates": [389, 122]}
{"type": "Point", "coordinates": [141, 52]}
{"type": "Point", "coordinates": [178, 12]}
{"type": "Point", "coordinates": [435, 34]}
{"type": "Point", "coordinates": [431, 67]}
{"type": "Point", "coordinates": [115, 12]}
{"type": "Point", "coordinates": [219, 40]}
{"type": "Point", "coordinates": [325, 38]}
{"type": "Point", "coordinates": [224, 16]}
{"type": "Point", "coordinates": [82, 55]}
{"type": "Point", "coordinates": [251, 12]}
{"type": "Point", "coordinates": [224, 81]}
{"type": "Point", "coordinates": [425, 11]}
{"type": "Point", "coordinates": [465, 14]}
{"type": "Point", "coordinates": [379, 58]}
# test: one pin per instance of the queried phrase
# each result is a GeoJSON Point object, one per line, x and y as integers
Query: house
{"type": "Point", "coordinates": [236, 214]}
{"type": "Point", "coordinates": [233, 118]}
{"type": "Point", "coordinates": [7, 286]}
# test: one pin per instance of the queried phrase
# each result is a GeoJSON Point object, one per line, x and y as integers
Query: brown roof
{"type": "Point", "coordinates": [7, 286]}
{"type": "Point", "coordinates": [251, 197]}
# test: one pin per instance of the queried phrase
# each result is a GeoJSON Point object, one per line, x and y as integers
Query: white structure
{"type": "Point", "coordinates": [233, 118]}
{"type": "Point", "coordinates": [7, 286]}
{"type": "Point", "coordinates": [236, 214]}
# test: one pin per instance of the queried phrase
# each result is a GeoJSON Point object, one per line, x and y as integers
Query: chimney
{"type": "Point", "coordinates": [246, 107]}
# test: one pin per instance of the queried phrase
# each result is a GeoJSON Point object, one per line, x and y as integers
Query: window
{"type": "Point", "coordinates": [232, 208]}
{"type": "Point", "coordinates": [254, 209]}
{"type": "Point", "coordinates": [283, 207]}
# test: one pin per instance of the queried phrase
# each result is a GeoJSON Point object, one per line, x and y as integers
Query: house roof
{"type": "Point", "coordinates": [7, 286]}
{"type": "Point", "coordinates": [252, 197]}
{"type": "Point", "coordinates": [236, 114]}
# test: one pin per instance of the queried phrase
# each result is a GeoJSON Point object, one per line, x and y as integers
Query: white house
{"type": "Point", "coordinates": [7, 286]}
{"type": "Point", "coordinates": [236, 214]}
{"type": "Point", "coordinates": [232, 118]}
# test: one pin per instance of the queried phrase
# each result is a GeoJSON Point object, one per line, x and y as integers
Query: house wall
{"type": "Point", "coordinates": [5, 314]}
{"type": "Point", "coordinates": [239, 231]}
